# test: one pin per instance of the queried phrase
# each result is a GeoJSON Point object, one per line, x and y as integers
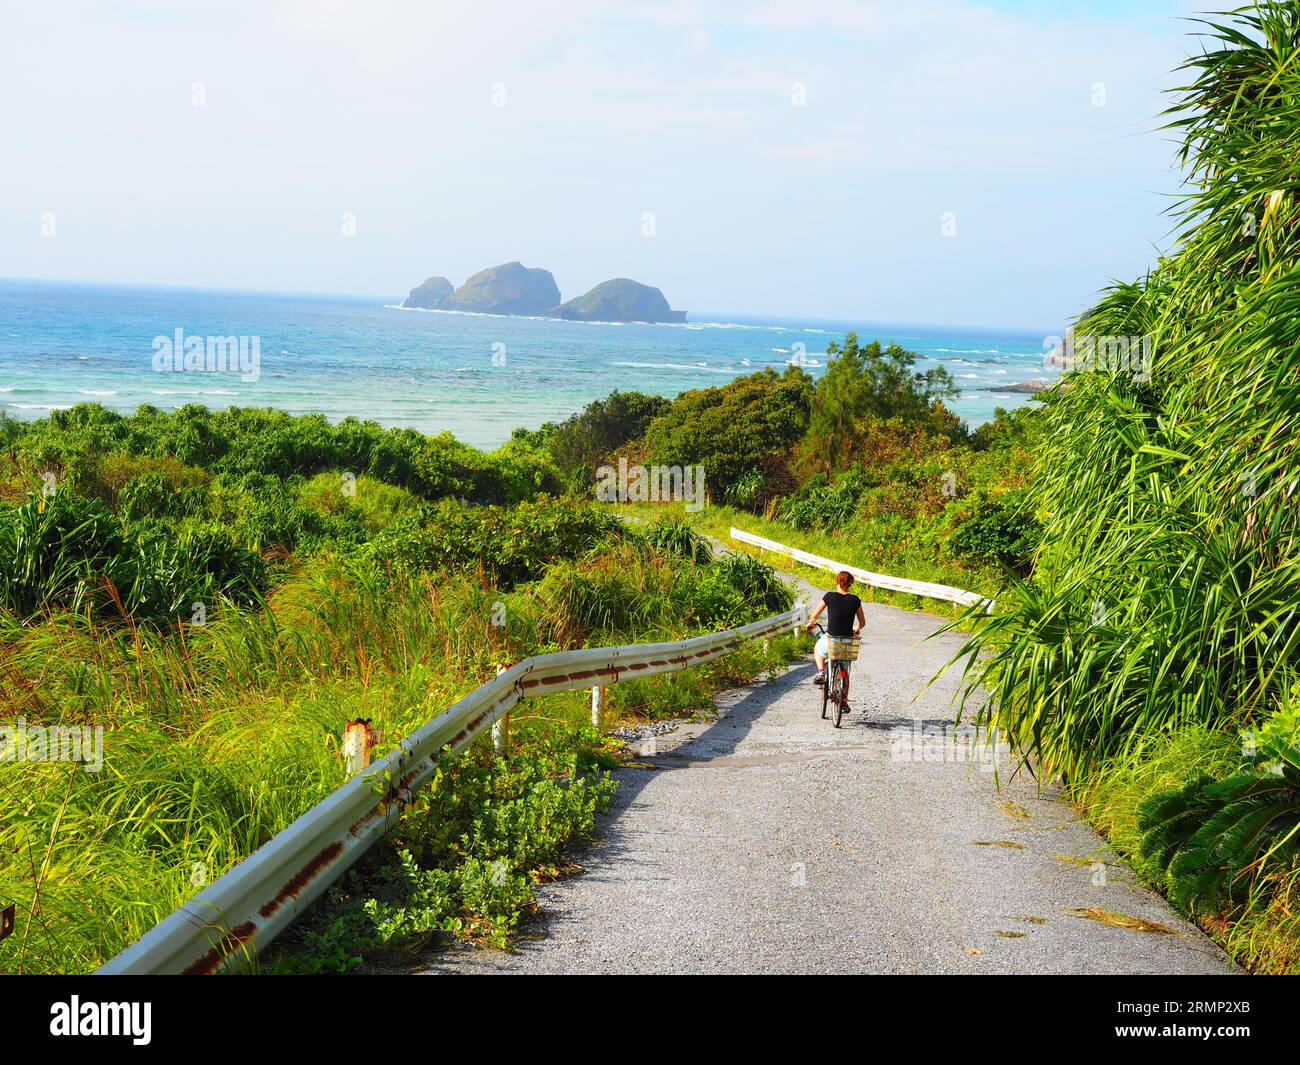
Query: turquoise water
{"type": "Point", "coordinates": [477, 376]}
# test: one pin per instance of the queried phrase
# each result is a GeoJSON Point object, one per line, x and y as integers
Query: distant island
{"type": "Point", "coordinates": [620, 300]}
{"type": "Point", "coordinates": [513, 288]}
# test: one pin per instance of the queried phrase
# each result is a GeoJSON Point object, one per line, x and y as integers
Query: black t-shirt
{"type": "Point", "coordinates": [841, 613]}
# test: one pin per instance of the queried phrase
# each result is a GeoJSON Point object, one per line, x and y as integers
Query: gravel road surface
{"type": "Point", "coordinates": [769, 842]}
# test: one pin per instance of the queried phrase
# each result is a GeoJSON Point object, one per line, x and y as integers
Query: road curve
{"type": "Point", "coordinates": [769, 842]}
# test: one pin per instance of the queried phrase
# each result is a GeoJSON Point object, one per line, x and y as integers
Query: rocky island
{"type": "Point", "coordinates": [620, 300]}
{"type": "Point", "coordinates": [510, 288]}
{"type": "Point", "coordinates": [429, 295]}
{"type": "Point", "coordinates": [1027, 387]}
{"type": "Point", "coordinates": [513, 288]}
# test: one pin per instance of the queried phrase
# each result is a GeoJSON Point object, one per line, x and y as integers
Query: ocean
{"type": "Point", "coordinates": [476, 376]}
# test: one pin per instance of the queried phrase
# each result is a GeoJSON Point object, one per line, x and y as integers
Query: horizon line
{"type": "Point", "coordinates": [747, 317]}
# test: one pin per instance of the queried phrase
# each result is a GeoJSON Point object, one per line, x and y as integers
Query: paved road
{"type": "Point", "coordinates": [769, 842]}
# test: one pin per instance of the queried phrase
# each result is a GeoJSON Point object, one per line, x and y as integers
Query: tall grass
{"type": "Point", "coordinates": [220, 735]}
{"type": "Point", "coordinates": [1165, 599]}
{"type": "Point", "coordinates": [1165, 592]}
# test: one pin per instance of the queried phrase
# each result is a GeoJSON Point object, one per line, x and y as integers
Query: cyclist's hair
{"type": "Point", "coordinates": [844, 580]}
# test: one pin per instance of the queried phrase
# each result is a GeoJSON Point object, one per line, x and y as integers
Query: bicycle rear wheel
{"type": "Point", "coordinates": [840, 696]}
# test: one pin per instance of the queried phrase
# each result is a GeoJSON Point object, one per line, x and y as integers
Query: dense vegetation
{"type": "Point", "coordinates": [866, 463]}
{"type": "Point", "coordinates": [1162, 609]}
{"type": "Point", "coordinates": [221, 592]}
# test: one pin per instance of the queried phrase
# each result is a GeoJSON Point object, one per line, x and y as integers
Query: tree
{"type": "Point", "coordinates": [583, 441]}
{"type": "Point", "coordinates": [869, 382]}
{"type": "Point", "coordinates": [733, 430]}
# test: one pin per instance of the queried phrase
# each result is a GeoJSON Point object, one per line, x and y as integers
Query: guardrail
{"type": "Point", "coordinates": [230, 921]}
{"type": "Point", "coordinates": [877, 580]}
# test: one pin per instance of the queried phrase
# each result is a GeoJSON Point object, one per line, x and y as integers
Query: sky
{"type": "Point", "coordinates": [938, 162]}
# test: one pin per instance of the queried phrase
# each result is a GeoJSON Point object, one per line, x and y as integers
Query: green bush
{"type": "Point", "coordinates": [866, 384]}
{"type": "Point", "coordinates": [583, 441]}
{"type": "Point", "coordinates": [1003, 532]}
{"type": "Point", "coordinates": [464, 858]}
{"type": "Point", "coordinates": [54, 552]}
{"type": "Point", "coordinates": [732, 430]}
{"type": "Point", "coordinates": [675, 537]}
{"type": "Point", "coordinates": [64, 551]}
{"type": "Point", "coordinates": [818, 504]}
{"type": "Point", "coordinates": [503, 545]}
{"type": "Point", "coordinates": [92, 449]}
{"type": "Point", "coordinates": [1215, 839]}
{"type": "Point", "coordinates": [759, 585]}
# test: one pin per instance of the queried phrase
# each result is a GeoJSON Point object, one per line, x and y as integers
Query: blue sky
{"type": "Point", "coordinates": [772, 157]}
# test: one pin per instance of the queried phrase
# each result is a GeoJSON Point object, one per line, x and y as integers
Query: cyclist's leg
{"type": "Point", "coordinates": [819, 655]}
{"type": "Point", "coordinates": [844, 684]}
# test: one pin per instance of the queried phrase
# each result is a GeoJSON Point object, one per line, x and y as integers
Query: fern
{"type": "Point", "coordinates": [1214, 838]}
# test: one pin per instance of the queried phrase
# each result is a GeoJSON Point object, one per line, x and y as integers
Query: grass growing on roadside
{"type": "Point", "coordinates": [218, 736]}
{"type": "Point", "coordinates": [467, 858]}
{"type": "Point", "coordinates": [1262, 932]}
{"type": "Point", "coordinates": [717, 521]}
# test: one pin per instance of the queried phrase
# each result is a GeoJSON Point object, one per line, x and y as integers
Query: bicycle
{"type": "Point", "coordinates": [841, 653]}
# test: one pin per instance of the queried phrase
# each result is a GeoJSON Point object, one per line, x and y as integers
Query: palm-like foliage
{"type": "Point", "coordinates": [675, 537]}
{"type": "Point", "coordinates": [1214, 837]}
{"type": "Point", "coordinates": [1165, 591]}
{"type": "Point", "coordinates": [65, 551]}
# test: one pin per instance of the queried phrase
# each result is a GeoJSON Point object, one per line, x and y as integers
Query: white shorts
{"type": "Point", "coordinates": [823, 645]}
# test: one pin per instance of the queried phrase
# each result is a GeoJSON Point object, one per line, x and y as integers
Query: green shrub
{"type": "Point", "coordinates": [675, 537]}
{"type": "Point", "coordinates": [64, 551]}
{"type": "Point", "coordinates": [54, 550]}
{"type": "Point", "coordinates": [583, 441]}
{"type": "Point", "coordinates": [818, 504]}
{"type": "Point", "coordinates": [1215, 839]}
{"type": "Point", "coordinates": [1001, 532]}
{"type": "Point", "coordinates": [152, 495]}
{"type": "Point", "coordinates": [759, 585]}
{"type": "Point", "coordinates": [503, 545]}
{"type": "Point", "coordinates": [732, 430]}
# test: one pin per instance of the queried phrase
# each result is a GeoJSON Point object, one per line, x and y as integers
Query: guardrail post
{"type": "Point", "coordinates": [598, 705]}
{"type": "Point", "coordinates": [358, 738]}
{"type": "Point", "coordinates": [501, 727]}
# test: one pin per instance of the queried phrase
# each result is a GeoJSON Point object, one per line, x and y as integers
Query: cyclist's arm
{"type": "Point", "coordinates": [815, 615]}
{"type": "Point", "coordinates": [862, 620]}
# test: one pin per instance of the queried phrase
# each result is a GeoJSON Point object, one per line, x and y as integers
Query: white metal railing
{"type": "Point", "coordinates": [229, 922]}
{"type": "Point", "coordinates": [877, 580]}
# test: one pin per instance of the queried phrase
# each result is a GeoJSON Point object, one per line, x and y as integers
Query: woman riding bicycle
{"type": "Point", "coordinates": [842, 609]}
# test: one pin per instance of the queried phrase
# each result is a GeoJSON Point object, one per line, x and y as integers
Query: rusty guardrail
{"type": "Point", "coordinates": [876, 580]}
{"type": "Point", "coordinates": [230, 921]}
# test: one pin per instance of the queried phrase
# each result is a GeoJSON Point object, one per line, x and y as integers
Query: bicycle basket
{"type": "Point", "coordinates": [843, 648]}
